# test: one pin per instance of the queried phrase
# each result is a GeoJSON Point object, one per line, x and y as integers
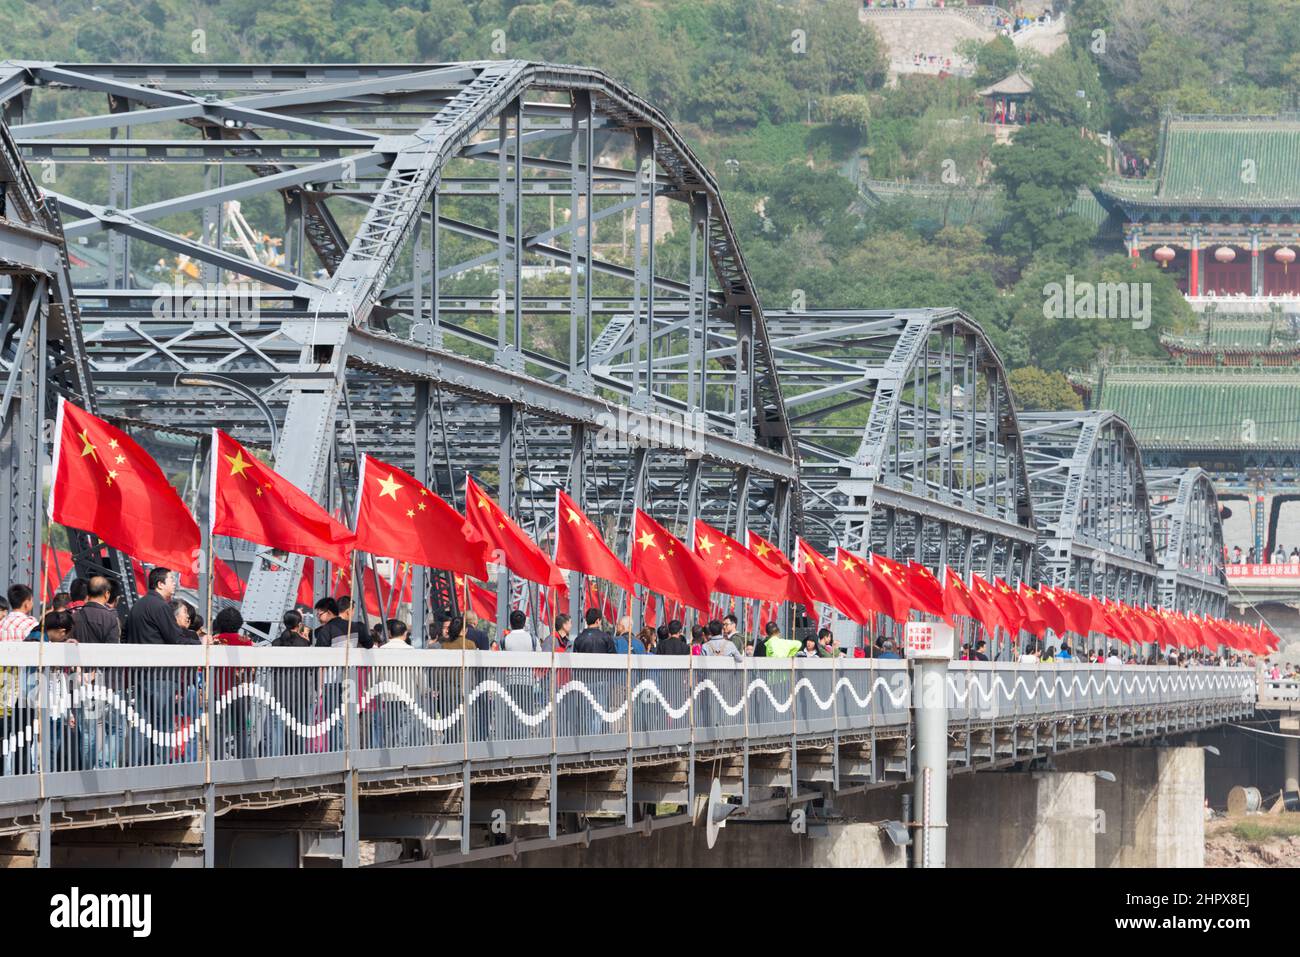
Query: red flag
{"type": "Point", "coordinates": [1050, 605]}
{"type": "Point", "coordinates": [925, 589]}
{"type": "Point", "coordinates": [650, 617]}
{"type": "Point", "coordinates": [795, 590]}
{"type": "Point", "coordinates": [826, 582]}
{"type": "Point", "coordinates": [253, 502]}
{"type": "Point", "coordinates": [667, 567]}
{"type": "Point", "coordinates": [1075, 610]}
{"type": "Point", "coordinates": [55, 565]}
{"type": "Point", "coordinates": [735, 569]}
{"type": "Point", "coordinates": [987, 594]}
{"type": "Point", "coordinates": [141, 577]}
{"type": "Point", "coordinates": [580, 547]}
{"type": "Point", "coordinates": [391, 594]}
{"type": "Point", "coordinates": [1038, 612]}
{"type": "Point", "coordinates": [890, 582]}
{"type": "Point", "coordinates": [306, 590]}
{"type": "Point", "coordinates": [958, 599]}
{"type": "Point", "coordinates": [399, 518]}
{"type": "Point", "coordinates": [227, 584]}
{"type": "Point", "coordinates": [507, 542]}
{"type": "Point", "coordinates": [340, 580]}
{"type": "Point", "coordinates": [871, 594]}
{"type": "Point", "coordinates": [106, 484]}
{"type": "Point", "coordinates": [479, 599]}
{"type": "Point", "coordinates": [1010, 605]}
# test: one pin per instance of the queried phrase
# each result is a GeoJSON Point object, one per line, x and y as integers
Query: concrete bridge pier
{"type": "Point", "coordinates": [1022, 819]}
{"type": "Point", "coordinates": [1290, 724]}
{"type": "Point", "coordinates": [1153, 815]}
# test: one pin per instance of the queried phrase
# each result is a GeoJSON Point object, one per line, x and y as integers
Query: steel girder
{"type": "Point", "coordinates": [42, 355]}
{"type": "Point", "coordinates": [908, 438]}
{"type": "Point", "coordinates": [1189, 540]}
{"type": "Point", "coordinates": [399, 335]}
{"type": "Point", "coordinates": [1091, 502]}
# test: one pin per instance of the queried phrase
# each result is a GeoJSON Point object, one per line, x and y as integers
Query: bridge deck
{"type": "Point", "coordinates": [91, 734]}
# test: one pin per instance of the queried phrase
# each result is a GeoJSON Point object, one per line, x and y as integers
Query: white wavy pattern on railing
{"type": "Point", "coordinates": [396, 691]}
{"type": "Point", "coordinates": [62, 705]}
{"type": "Point", "coordinates": [1119, 684]}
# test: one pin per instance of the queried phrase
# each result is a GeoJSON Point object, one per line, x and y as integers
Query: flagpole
{"type": "Point", "coordinates": [205, 530]}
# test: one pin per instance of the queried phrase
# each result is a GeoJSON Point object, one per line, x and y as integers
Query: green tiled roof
{"type": "Point", "coordinates": [1220, 407]}
{"type": "Point", "coordinates": [1204, 161]}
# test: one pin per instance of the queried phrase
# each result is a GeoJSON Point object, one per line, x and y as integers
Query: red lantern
{"type": "Point", "coordinates": [1164, 255]}
{"type": "Point", "coordinates": [1225, 254]}
{"type": "Point", "coordinates": [1285, 255]}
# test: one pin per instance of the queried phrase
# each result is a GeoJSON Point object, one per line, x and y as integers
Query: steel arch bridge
{"type": "Point", "coordinates": [907, 436]}
{"type": "Point", "coordinates": [1092, 505]}
{"type": "Point", "coordinates": [499, 267]}
{"type": "Point", "coordinates": [1189, 540]}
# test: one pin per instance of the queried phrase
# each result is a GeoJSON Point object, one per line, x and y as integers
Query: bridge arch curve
{"type": "Point", "coordinates": [1091, 501]}
{"type": "Point", "coordinates": [1189, 540]}
{"type": "Point", "coordinates": [909, 442]}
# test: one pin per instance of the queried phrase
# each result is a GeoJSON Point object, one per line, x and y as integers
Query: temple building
{"type": "Point", "coordinates": [1222, 206]}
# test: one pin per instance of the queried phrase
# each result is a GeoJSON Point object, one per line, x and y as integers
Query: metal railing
{"type": "Point", "coordinates": [983, 691]}
{"type": "Point", "coordinates": [1282, 690]}
{"type": "Point", "coordinates": [91, 719]}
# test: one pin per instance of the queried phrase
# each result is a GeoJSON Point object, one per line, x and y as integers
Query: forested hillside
{"type": "Point", "coordinates": [789, 104]}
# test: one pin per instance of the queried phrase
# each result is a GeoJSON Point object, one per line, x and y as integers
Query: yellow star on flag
{"type": "Point", "coordinates": [88, 449]}
{"type": "Point", "coordinates": [573, 516]}
{"type": "Point", "coordinates": [238, 464]}
{"type": "Point", "coordinates": [410, 513]}
{"type": "Point", "coordinates": [761, 550]}
{"type": "Point", "coordinates": [112, 443]}
{"type": "Point", "coordinates": [645, 540]}
{"type": "Point", "coordinates": [111, 475]}
{"type": "Point", "coordinates": [388, 487]}
{"type": "Point", "coordinates": [705, 543]}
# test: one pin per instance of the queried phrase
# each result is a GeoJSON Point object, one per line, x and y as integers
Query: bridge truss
{"type": "Point", "coordinates": [1189, 540]}
{"type": "Point", "coordinates": [502, 268]}
{"type": "Point", "coordinates": [1092, 505]}
{"type": "Point", "coordinates": [908, 441]}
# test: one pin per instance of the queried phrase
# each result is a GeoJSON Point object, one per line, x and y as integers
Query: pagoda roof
{"type": "Point", "coordinates": [1014, 84]}
{"type": "Point", "coordinates": [1201, 159]}
{"type": "Point", "coordinates": [1228, 407]}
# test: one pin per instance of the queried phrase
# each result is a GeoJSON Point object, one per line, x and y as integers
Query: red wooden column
{"type": "Point", "coordinates": [1194, 275]}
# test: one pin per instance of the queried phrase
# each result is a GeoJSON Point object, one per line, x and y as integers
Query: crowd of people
{"type": "Point", "coordinates": [90, 730]}
{"type": "Point", "coordinates": [1279, 556]}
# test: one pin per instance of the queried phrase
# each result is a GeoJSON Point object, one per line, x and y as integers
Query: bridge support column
{"type": "Point", "coordinates": [931, 784]}
{"type": "Point", "coordinates": [1154, 813]}
{"type": "Point", "coordinates": [1291, 762]}
{"type": "Point", "coordinates": [1011, 819]}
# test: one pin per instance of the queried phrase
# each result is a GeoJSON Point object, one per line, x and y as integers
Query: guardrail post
{"type": "Point", "coordinates": [930, 676]}
{"type": "Point", "coordinates": [835, 726]}
{"type": "Point", "coordinates": [794, 733]}
{"type": "Point", "coordinates": [43, 719]}
{"type": "Point", "coordinates": [744, 755]}
{"type": "Point", "coordinates": [628, 816]}
{"type": "Point", "coordinates": [690, 711]}
{"type": "Point", "coordinates": [351, 826]}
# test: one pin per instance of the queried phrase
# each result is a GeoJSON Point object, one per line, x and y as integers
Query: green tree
{"type": "Point", "coordinates": [993, 60]}
{"type": "Point", "coordinates": [1041, 172]}
{"type": "Point", "coordinates": [1059, 79]}
{"type": "Point", "coordinates": [1034, 390]}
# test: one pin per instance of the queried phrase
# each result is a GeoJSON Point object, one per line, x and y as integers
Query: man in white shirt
{"type": "Point", "coordinates": [517, 638]}
{"type": "Point", "coordinates": [1030, 655]}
